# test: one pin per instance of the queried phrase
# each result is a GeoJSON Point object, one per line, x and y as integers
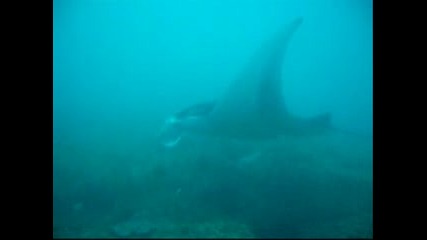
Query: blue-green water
{"type": "Point", "coordinates": [122, 67]}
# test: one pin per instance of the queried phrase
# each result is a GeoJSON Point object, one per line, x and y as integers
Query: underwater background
{"type": "Point", "coordinates": [120, 68]}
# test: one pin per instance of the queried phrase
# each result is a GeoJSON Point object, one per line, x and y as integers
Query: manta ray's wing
{"type": "Point", "coordinates": [254, 105]}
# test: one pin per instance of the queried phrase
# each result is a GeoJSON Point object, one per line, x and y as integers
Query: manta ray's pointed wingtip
{"type": "Point", "coordinates": [292, 26]}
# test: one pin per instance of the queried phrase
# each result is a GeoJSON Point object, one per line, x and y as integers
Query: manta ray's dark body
{"type": "Point", "coordinates": [254, 106]}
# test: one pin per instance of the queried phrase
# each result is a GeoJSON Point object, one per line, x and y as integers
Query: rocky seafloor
{"type": "Point", "coordinates": [351, 227]}
{"type": "Point", "coordinates": [139, 228]}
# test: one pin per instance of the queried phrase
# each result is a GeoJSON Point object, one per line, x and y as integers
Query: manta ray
{"type": "Point", "coordinates": [253, 107]}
